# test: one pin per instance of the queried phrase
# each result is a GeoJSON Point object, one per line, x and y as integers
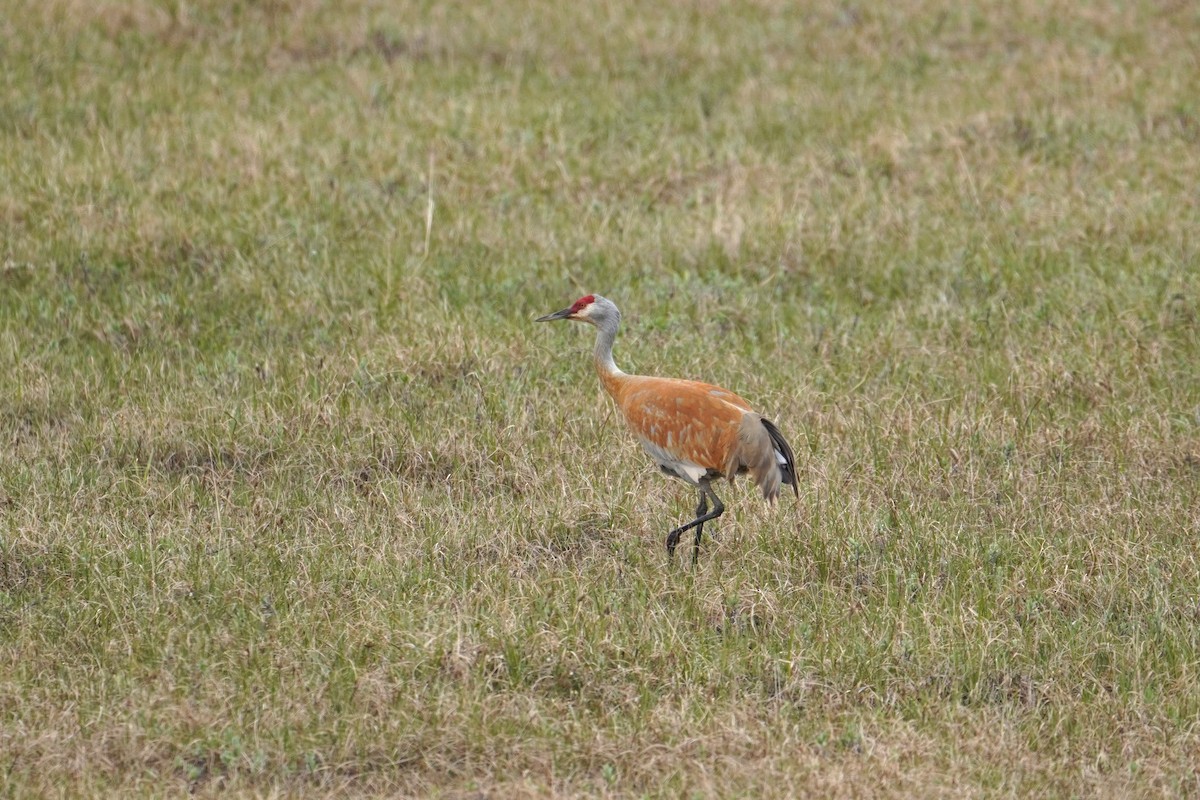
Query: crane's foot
{"type": "Point", "coordinates": [673, 542]}
{"type": "Point", "coordinates": [673, 539]}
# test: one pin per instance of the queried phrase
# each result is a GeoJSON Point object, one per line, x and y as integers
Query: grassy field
{"type": "Point", "coordinates": [296, 500]}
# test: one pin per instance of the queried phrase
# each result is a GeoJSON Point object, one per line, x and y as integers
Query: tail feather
{"type": "Point", "coordinates": [788, 467]}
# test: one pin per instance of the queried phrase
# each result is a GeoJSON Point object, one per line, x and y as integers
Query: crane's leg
{"type": "Point", "coordinates": [673, 536]}
{"type": "Point", "coordinates": [718, 510]}
{"type": "Point", "coordinates": [703, 515]}
{"type": "Point", "coordinates": [701, 510]}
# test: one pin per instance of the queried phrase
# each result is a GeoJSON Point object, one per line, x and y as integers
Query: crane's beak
{"type": "Point", "coordinates": [564, 314]}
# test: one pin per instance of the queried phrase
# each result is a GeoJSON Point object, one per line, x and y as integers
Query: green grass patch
{"type": "Point", "coordinates": [295, 499]}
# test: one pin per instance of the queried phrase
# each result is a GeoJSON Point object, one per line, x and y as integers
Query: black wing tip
{"type": "Point", "coordinates": [788, 469]}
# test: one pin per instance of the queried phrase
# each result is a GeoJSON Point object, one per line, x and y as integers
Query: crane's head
{"type": "Point", "coordinates": [593, 308]}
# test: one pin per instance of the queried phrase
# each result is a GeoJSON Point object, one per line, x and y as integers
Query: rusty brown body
{"type": "Point", "coordinates": [696, 423]}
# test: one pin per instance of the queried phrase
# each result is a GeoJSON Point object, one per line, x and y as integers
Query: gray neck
{"type": "Point", "coordinates": [606, 334]}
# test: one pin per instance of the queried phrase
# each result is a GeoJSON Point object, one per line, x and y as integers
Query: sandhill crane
{"type": "Point", "coordinates": [694, 431]}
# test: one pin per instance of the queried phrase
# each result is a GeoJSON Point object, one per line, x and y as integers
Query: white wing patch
{"type": "Point", "coordinates": [685, 470]}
